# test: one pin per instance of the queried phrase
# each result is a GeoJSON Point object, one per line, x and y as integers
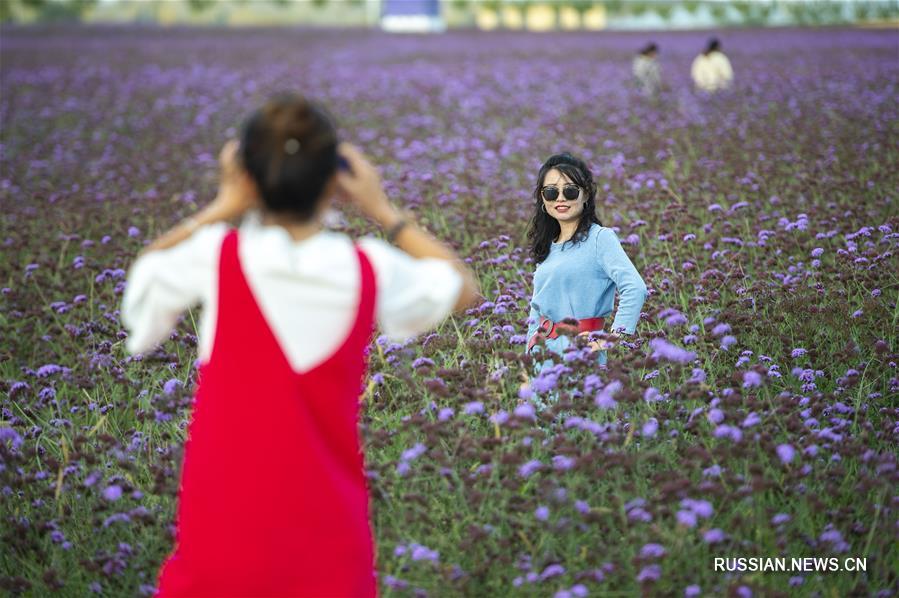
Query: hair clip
{"type": "Point", "coordinates": [291, 146]}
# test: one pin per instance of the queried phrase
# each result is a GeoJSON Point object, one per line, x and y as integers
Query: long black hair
{"type": "Point", "coordinates": [544, 228]}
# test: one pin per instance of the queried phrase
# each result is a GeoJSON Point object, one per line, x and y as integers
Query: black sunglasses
{"type": "Point", "coordinates": [551, 192]}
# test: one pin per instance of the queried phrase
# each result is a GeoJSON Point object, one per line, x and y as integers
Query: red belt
{"type": "Point", "coordinates": [549, 329]}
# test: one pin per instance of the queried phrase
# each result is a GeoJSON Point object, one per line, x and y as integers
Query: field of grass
{"type": "Point", "coordinates": [754, 413]}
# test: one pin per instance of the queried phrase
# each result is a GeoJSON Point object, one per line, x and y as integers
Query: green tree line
{"type": "Point", "coordinates": [810, 12]}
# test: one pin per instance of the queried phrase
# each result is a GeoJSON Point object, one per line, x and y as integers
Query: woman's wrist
{"type": "Point", "coordinates": [394, 231]}
{"type": "Point", "coordinates": [220, 209]}
{"type": "Point", "coordinates": [191, 224]}
{"type": "Point", "coordinates": [387, 216]}
{"type": "Point", "coordinates": [183, 230]}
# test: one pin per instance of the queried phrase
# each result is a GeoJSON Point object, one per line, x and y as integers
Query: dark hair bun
{"type": "Point", "coordinates": [289, 148]}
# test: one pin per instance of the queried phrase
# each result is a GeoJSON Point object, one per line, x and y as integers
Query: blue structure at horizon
{"type": "Point", "coordinates": [429, 8]}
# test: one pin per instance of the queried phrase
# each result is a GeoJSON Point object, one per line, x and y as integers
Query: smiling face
{"type": "Point", "coordinates": [563, 209]}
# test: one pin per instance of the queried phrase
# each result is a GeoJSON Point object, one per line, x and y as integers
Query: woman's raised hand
{"type": "Point", "coordinates": [237, 192]}
{"type": "Point", "coordinates": [361, 186]}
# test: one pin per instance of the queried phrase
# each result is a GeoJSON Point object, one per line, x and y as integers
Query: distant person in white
{"type": "Point", "coordinates": [647, 72]}
{"type": "Point", "coordinates": [711, 70]}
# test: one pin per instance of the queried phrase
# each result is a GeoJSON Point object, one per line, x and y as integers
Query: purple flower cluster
{"type": "Point", "coordinates": [760, 375]}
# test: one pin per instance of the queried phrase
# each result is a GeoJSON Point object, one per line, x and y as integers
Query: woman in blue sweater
{"type": "Point", "coordinates": [580, 263]}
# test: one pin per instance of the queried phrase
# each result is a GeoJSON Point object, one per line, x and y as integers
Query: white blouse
{"type": "Point", "coordinates": [712, 72]}
{"type": "Point", "coordinates": [307, 290]}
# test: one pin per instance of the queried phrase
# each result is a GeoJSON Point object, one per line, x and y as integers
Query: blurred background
{"type": "Point", "coordinates": [439, 15]}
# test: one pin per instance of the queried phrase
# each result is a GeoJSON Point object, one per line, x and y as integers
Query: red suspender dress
{"type": "Point", "coordinates": [273, 498]}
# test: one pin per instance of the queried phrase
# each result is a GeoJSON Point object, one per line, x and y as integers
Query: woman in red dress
{"type": "Point", "coordinates": [273, 498]}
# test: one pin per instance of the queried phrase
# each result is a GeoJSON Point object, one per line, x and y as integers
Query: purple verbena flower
{"type": "Point", "coordinates": [780, 519]}
{"type": "Point", "coordinates": [552, 571]}
{"type": "Point", "coordinates": [726, 431]}
{"type": "Point", "coordinates": [524, 411]}
{"type": "Point", "coordinates": [473, 408]}
{"type": "Point", "coordinates": [529, 468]}
{"type": "Point", "coordinates": [662, 349]}
{"type": "Point", "coordinates": [650, 428]}
{"type": "Point", "coordinates": [9, 435]}
{"type": "Point", "coordinates": [410, 454]}
{"type": "Point", "coordinates": [652, 551]}
{"type": "Point", "coordinates": [605, 397]}
{"type": "Point", "coordinates": [752, 379]}
{"type": "Point", "coordinates": [563, 463]}
{"type": "Point", "coordinates": [721, 329]}
{"type": "Point", "coordinates": [713, 536]}
{"type": "Point", "coordinates": [702, 508]}
{"type": "Point", "coordinates": [171, 386]}
{"type": "Point", "coordinates": [686, 518]}
{"type": "Point", "coordinates": [112, 493]}
{"type": "Point", "coordinates": [649, 573]}
{"type": "Point", "coordinates": [786, 453]}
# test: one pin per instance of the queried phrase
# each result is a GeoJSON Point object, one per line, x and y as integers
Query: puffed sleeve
{"type": "Point", "coordinates": [413, 295]}
{"type": "Point", "coordinates": [696, 72]}
{"type": "Point", "coordinates": [162, 284]}
{"type": "Point", "coordinates": [628, 282]}
{"type": "Point", "coordinates": [726, 70]}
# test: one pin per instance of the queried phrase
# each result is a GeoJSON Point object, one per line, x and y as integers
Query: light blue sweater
{"type": "Point", "coordinates": [579, 281]}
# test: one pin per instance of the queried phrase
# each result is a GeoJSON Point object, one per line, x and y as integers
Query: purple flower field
{"type": "Point", "coordinates": [754, 414]}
